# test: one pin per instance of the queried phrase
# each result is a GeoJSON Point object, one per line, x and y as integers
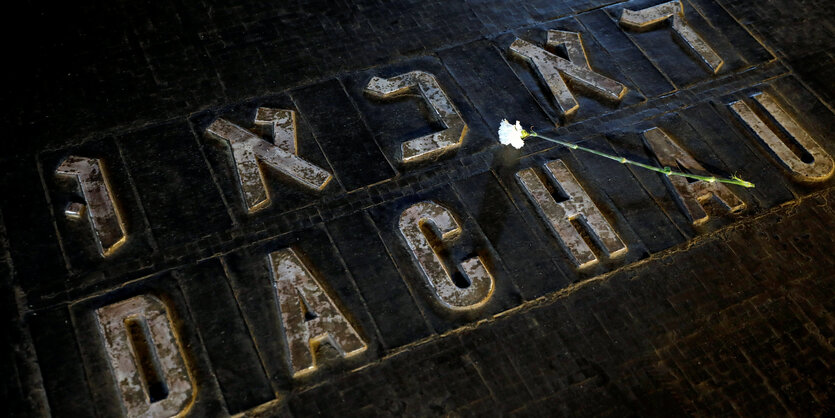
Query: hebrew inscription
{"type": "Point", "coordinates": [555, 70]}
{"type": "Point", "coordinates": [308, 314]}
{"type": "Point", "coordinates": [104, 216]}
{"type": "Point", "coordinates": [248, 150]}
{"type": "Point", "coordinates": [578, 207]}
{"type": "Point", "coordinates": [653, 18]}
{"type": "Point", "coordinates": [819, 166]}
{"type": "Point", "coordinates": [693, 195]}
{"type": "Point", "coordinates": [426, 146]}
{"type": "Point", "coordinates": [145, 357]}
{"type": "Point", "coordinates": [425, 218]}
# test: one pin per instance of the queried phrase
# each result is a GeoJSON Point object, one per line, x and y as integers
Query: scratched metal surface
{"type": "Point", "coordinates": [303, 209]}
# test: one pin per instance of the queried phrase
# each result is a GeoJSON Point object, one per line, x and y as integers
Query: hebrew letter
{"type": "Point", "coordinates": [248, 149]}
{"type": "Point", "coordinates": [578, 207]}
{"type": "Point", "coordinates": [104, 216]}
{"type": "Point", "coordinates": [145, 357]}
{"type": "Point", "coordinates": [693, 195]}
{"type": "Point", "coordinates": [308, 314]}
{"type": "Point", "coordinates": [430, 145]}
{"type": "Point", "coordinates": [282, 123]}
{"type": "Point", "coordinates": [819, 168]}
{"type": "Point", "coordinates": [442, 223]}
{"type": "Point", "coordinates": [555, 70]}
{"type": "Point", "coordinates": [651, 17]}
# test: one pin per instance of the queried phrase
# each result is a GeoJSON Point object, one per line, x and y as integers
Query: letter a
{"type": "Point", "coordinates": [692, 195]}
{"type": "Point", "coordinates": [308, 314]}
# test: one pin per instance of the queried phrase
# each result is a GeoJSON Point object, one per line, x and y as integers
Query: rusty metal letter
{"type": "Point", "coordinates": [651, 17]}
{"type": "Point", "coordinates": [145, 357]}
{"type": "Point", "coordinates": [443, 223]}
{"type": "Point", "coordinates": [248, 149]}
{"type": "Point", "coordinates": [426, 146]}
{"type": "Point", "coordinates": [696, 194]}
{"type": "Point", "coordinates": [105, 219]}
{"type": "Point", "coordinates": [308, 314]}
{"type": "Point", "coordinates": [820, 168]}
{"type": "Point", "coordinates": [578, 206]}
{"type": "Point", "coordinates": [555, 70]}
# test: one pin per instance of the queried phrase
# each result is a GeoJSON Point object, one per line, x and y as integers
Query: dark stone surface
{"type": "Point", "coordinates": [706, 341]}
{"type": "Point", "coordinates": [631, 60]}
{"type": "Point", "coordinates": [344, 137]}
{"type": "Point", "coordinates": [521, 249]}
{"type": "Point", "coordinates": [388, 299]}
{"type": "Point", "coordinates": [482, 72]}
{"type": "Point", "coordinates": [174, 183]}
{"type": "Point", "coordinates": [732, 317]}
{"type": "Point", "coordinates": [62, 369]}
{"type": "Point", "coordinates": [223, 332]}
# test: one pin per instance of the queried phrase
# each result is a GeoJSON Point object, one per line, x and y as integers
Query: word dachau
{"type": "Point", "coordinates": [310, 316]}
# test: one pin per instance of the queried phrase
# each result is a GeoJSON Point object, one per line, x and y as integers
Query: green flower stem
{"type": "Point", "coordinates": [666, 170]}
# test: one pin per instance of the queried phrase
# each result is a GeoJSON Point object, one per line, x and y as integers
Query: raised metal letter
{"type": "Point", "coordinates": [443, 223]}
{"type": "Point", "coordinates": [554, 70]}
{"type": "Point", "coordinates": [693, 195]}
{"type": "Point", "coordinates": [425, 146]}
{"type": "Point", "coordinates": [104, 216]}
{"type": "Point", "coordinates": [145, 357]}
{"type": "Point", "coordinates": [820, 168]}
{"type": "Point", "coordinates": [309, 315]}
{"type": "Point", "coordinates": [248, 149]}
{"type": "Point", "coordinates": [578, 207]}
{"type": "Point", "coordinates": [651, 17]}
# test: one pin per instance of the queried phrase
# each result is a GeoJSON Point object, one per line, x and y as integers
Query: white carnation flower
{"type": "Point", "coordinates": [511, 134]}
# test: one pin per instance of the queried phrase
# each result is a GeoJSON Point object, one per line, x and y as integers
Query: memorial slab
{"type": "Point", "coordinates": [222, 209]}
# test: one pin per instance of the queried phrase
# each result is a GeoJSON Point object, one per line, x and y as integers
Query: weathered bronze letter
{"type": "Point", "coordinates": [308, 314]}
{"type": "Point", "coordinates": [552, 69]}
{"type": "Point", "coordinates": [443, 223]}
{"type": "Point", "coordinates": [429, 145]}
{"type": "Point", "coordinates": [248, 149]}
{"type": "Point", "coordinates": [692, 195]}
{"type": "Point", "coordinates": [105, 219]}
{"type": "Point", "coordinates": [145, 357]}
{"type": "Point", "coordinates": [578, 206]}
{"type": "Point", "coordinates": [651, 17]}
{"type": "Point", "coordinates": [821, 165]}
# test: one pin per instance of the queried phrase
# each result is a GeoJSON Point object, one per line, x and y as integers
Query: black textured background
{"type": "Point", "coordinates": [735, 317]}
